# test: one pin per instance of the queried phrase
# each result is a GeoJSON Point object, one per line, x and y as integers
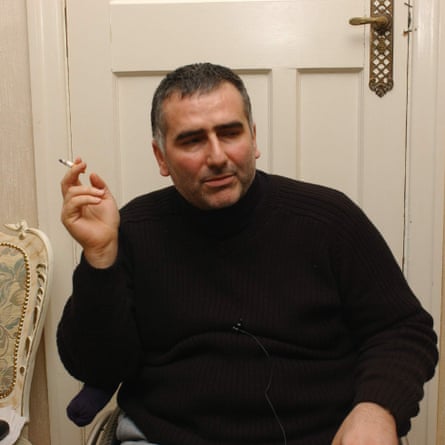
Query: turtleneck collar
{"type": "Point", "coordinates": [220, 223]}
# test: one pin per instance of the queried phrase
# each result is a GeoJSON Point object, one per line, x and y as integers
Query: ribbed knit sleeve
{"type": "Point", "coordinates": [393, 333]}
{"type": "Point", "coordinates": [97, 335]}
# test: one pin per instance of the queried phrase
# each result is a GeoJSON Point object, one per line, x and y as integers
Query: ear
{"type": "Point", "coordinates": [160, 157]}
{"type": "Point", "coordinates": [254, 144]}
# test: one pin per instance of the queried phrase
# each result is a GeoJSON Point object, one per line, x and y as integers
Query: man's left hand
{"type": "Point", "coordinates": [367, 424]}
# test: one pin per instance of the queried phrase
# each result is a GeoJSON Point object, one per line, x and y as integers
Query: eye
{"type": "Point", "coordinates": [230, 133]}
{"type": "Point", "coordinates": [191, 140]}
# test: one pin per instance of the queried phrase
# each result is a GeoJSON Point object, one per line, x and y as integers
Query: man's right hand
{"type": "Point", "coordinates": [91, 216]}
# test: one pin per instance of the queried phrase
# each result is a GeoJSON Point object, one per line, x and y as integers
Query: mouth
{"type": "Point", "coordinates": [219, 180]}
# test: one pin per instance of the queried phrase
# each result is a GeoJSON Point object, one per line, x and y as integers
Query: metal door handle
{"type": "Point", "coordinates": [381, 22]}
{"type": "Point", "coordinates": [380, 45]}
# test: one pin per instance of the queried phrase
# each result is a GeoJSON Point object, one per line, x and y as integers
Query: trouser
{"type": "Point", "coordinates": [129, 434]}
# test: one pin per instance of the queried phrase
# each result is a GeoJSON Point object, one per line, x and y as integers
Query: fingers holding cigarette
{"type": "Point", "coordinates": [71, 177]}
{"type": "Point", "coordinates": [71, 183]}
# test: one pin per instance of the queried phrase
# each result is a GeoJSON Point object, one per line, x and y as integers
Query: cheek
{"type": "Point", "coordinates": [186, 166]}
{"type": "Point", "coordinates": [244, 155]}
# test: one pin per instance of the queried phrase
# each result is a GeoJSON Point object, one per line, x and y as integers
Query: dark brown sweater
{"type": "Point", "coordinates": [326, 319]}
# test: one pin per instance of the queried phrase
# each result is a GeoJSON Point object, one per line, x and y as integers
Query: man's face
{"type": "Point", "coordinates": [209, 150]}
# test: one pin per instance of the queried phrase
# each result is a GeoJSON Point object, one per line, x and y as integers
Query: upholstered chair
{"type": "Point", "coordinates": [25, 268]}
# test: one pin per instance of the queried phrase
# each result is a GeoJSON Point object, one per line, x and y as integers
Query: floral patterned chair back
{"type": "Point", "coordinates": [25, 266]}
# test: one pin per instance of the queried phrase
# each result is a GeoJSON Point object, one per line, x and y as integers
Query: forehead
{"type": "Point", "coordinates": [222, 103]}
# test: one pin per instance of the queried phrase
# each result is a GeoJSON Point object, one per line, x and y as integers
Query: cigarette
{"type": "Point", "coordinates": [66, 163]}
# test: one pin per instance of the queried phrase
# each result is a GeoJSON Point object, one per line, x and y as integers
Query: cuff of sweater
{"type": "Point", "coordinates": [389, 398]}
{"type": "Point", "coordinates": [96, 287]}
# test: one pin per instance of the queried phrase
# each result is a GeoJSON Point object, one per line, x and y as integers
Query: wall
{"type": "Point", "coordinates": [440, 141]}
{"type": "Point", "coordinates": [17, 181]}
{"type": "Point", "coordinates": [441, 408]}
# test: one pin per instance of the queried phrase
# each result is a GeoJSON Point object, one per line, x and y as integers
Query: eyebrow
{"type": "Point", "coordinates": [230, 126]}
{"type": "Point", "coordinates": [189, 134]}
{"type": "Point", "coordinates": [193, 133]}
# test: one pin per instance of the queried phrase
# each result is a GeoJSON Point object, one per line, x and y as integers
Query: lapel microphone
{"type": "Point", "coordinates": [239, 327]}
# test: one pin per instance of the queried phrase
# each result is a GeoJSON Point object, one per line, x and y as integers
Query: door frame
{"type": "Point", "coordinates": [425, 165]}
{"type": "Point", "coordinates": [424, 239]}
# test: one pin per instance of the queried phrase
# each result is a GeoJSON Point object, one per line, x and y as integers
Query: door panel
{"type": "Point", "coordinates": [254, 34]}
{"type": "Point", "coordinates": [329, 135]}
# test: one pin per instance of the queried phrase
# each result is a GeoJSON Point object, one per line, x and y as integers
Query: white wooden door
{"type": "Point", "coordinates": [306, 69]}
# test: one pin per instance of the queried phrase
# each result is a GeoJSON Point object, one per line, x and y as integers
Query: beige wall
{"type": "Point", "coordinates": [17, 181]}
{"type": "Point", "coordinates": [441, 409]}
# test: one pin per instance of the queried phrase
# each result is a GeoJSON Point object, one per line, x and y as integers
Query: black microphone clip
{"type": "Point", "coordinates": [238, 326]}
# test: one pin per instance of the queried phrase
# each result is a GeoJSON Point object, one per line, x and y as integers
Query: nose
{"type": "Point", "coordinates": [216, 155]}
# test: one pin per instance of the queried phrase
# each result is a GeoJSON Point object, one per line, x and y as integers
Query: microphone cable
{"type": "Point", "coordinates": [238, 328]}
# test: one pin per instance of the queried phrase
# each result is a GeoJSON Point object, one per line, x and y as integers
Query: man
{"type": "Point", "coordinates": [235, 306]}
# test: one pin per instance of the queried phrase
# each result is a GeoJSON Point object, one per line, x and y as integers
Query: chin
{"type": "Point", "coordinates": [218, 199]}
{"type": "Point", "coordinates": [222, 202]}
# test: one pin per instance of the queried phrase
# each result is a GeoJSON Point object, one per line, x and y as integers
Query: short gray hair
{"type": "Point", "coordinates": [188, 80]}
